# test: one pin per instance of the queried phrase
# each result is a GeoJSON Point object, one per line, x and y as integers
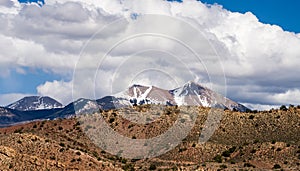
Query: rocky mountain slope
{"type": "Point", "coordinates": [190, 94]}
{"type": "Point", "coordinates": [35, 103]}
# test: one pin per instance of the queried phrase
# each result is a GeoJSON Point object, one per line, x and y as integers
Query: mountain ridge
{"type": "Point", "coordinates": [191, 94]}
{"type": "Point", "coordinates": [30, 103]}
{"type": "Point", "coordinates": [44, 107]}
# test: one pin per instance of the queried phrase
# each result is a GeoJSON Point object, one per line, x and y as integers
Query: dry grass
{"type": "Point", "coordinates": [254, 141]}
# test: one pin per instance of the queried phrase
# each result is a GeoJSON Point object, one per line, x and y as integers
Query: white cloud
{"type": "Point", "coordinates": [54, 36]}
{"type": "Point", "coordinates": [6, 3]}
{"type": "Point", "coordinates": [288, 97]}
{"type": "Point", "coordinates": [27, 53]}
{"type": "Point", "coordinates": [60, 90]}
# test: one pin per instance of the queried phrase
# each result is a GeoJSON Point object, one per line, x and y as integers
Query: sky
{"type": "Point", "coordinates": [283, 13]}
{"type": "Point", "coordinates": [246, 50]}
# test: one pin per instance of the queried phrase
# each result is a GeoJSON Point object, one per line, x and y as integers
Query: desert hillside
{"type": "Point", "coordinates": [252, 141]}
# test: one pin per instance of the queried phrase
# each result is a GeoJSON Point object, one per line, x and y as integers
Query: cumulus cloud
{"type": "Point", "coordinates": [6, 3]}
{"type": "Point", "coordinates": [289, 97]}
{"type": "Point", "coordinates": [60, 90]}
{"type": "Point", "coordinates": [112, 44]}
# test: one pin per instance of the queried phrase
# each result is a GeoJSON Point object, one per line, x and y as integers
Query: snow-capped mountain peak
{"type": "Point", "coordinates": [191, 93]}
{"type": "Point", "coordinates": [190, 88]}
{"type": "Point", "coordinates": [139, 94]}
{"type": "Point", "coordinates": [35, 103]}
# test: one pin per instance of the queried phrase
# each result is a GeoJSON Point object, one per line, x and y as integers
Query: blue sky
{"type": "Point", "coordinates": [284, 13]}
{"type": "Point", "coordinates": [25, 82]}
{"type": "Point", "coordinates": [25, 1]}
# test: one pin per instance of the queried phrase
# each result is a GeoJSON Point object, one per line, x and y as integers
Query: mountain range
{"type": "Point", "coordinates": [35, 103]}
{"type": "Point", "coordinates": [40, 108]}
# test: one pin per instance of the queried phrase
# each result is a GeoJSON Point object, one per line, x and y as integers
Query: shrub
{"type": "Point", "coordinates": [251, 117]}
{"type": "Point", "coordinates": [248, 165]}
{"type": "Point", "coordinates": [253, 151]}
{"type": "Point", "coordinates": [226, 153]}
{"type": "Point", "coordinates": [276, 166]}
{"type": "Point", "coordinates": [128, 167]}
{"type": "Point", "coordinates": [232, 149]}
{"type": "Point", "coordinates": [111, 120]}
{"type": "Point", "coordinates": [76, 124]}
{"type": "Point", "coordinates": [18, 131]}
{"type": "Point", "coordinates": [123, 160]}
{"type": "Point", "coordinates": [62, 144]}
{"type": "Point", "coordinates": [218, 158]}
{"type": "Point", "coordinates": [223, 166]}
{"type": "Point", "coordinates": [182, 149]}
{"type": "Point", "coordinates": [283, 107]}
{"type": "Point", "coordinates": [152, 167]}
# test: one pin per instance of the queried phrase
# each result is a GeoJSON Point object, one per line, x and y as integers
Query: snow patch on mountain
{"type": "Point", "coordinates": [35, 103]}
{"type": "Point", "coordinates": [191, 93]}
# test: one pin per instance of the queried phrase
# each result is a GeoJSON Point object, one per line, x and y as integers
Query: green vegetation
{"type": "Point", "coordinates": [218, 158]}
{"type": "Point", "coordinates": [283, 107]}
{"type": "Point", "coordinates": [248, 165]}
{"type": "Point", "coordinates": [251, 117]}
{"type": "Point", "coordinates": [152, 167]}
{"type": "Point", "coordinates": [276, 166]}
{"type": "Point", "coordinates": [128, 167]}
